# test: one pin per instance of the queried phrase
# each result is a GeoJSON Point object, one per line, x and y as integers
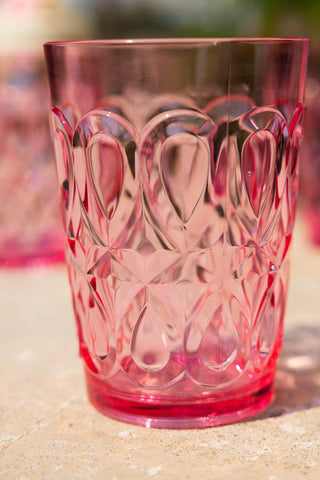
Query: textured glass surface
{"type": "Point", "coordinates": [178, 222]}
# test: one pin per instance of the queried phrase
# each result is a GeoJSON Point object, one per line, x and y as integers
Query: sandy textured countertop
{"type": "Point", "coordinates": [49, 431]}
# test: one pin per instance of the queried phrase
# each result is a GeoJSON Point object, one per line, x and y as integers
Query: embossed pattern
{"type": "Point", "coordinates": [177, 241]}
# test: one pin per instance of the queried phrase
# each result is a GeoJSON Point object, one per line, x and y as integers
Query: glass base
{"type": "Point", "coordinates": [174, 414]}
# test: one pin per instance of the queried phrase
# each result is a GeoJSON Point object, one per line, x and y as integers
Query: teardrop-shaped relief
{"type": "Point", "coordinates": [217, 344]}
{"type": "Point", "coordinates": [175, 154]}
{"type": "Point", "coordinates": [106, 165]}
{"type": "Point", "coordinates": [272, 120]}
{"type": "Point", "coordinates": [267, 334]}
{"type": "Point", "coordinates": [227, 112]}
{"type": "Point", "coordinates": [254, 143]}
{"type": "Point", "coordinates": [95, 323]}
{"type": "Point", "coordinates": [62, 140]}
{"type": "Point", "coordinates": [79, 292]}
{"type": "Point", "coordinates": [150, 346]}
{"type": "Point", "coordinates": [105, 149]}
{"type": "Point", "coordinates": [148, 350]}
{"type": "Point", "coordinates": [184, 170]}
{"type": "Point", "coordinates": [293, 162]}
{"type": "Point", "coordinates": [99, 320]}
{"type": "Point", "coordinates": [258, 162]}
{"type": "Point", "coordinates": [265, 192]}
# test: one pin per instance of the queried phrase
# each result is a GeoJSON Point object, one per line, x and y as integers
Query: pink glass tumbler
{"type": "Point", "coordinates": [30, 223]}
{"type": "Point", "coordinates": [310, 152]}
{"type": "Point", "coordinates": [177, 163]}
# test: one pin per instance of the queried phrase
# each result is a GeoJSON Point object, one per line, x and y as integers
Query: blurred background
{"type": "Point", "coordinates": [143, 18]}
{"type": "Point", "coordinates": [30, 226]}
{"type": "Point", "coordinates": [122, 18]}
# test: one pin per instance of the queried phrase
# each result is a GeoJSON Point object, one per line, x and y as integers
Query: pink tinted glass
{"type": "Point", "coordinates": [177, 163]}
{"type": "Point", "coordinates": [30, 223]}
{"type": "Point", "coordinates": [310, 173]}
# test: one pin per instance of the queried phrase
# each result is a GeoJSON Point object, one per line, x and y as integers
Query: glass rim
{"type": "Point", "coordinates": [176, 42]}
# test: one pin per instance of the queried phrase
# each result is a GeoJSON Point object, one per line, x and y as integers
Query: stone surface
{"type": "Point", "coordinates": [49, 431]}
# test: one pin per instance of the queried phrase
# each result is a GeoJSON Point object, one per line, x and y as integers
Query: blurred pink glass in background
{"type": "Point", "coordinates": [30, 224]}
{"type": "Point", "coordinates": [30, 228]}
{"type": "Point", "coordinates": [310, 161]}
